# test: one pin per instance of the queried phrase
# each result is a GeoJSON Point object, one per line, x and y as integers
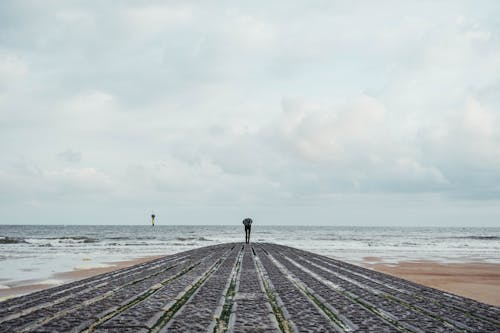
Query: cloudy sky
{"type": "Point", "coordinates": [300, 112]}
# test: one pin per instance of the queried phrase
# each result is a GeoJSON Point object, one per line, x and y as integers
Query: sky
{"type": "Point", "coordinates": [291, 112]}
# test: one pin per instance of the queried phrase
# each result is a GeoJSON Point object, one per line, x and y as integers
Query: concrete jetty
{"type": "Point", "coordinates": [245, 288]}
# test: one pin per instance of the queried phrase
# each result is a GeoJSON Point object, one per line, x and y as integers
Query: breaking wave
{"type": "Point", "coordinates": [480, 237]}
{"type": "Point", "coordinates": [11, 240]}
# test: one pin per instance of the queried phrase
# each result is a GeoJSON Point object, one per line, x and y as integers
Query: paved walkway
{"type": "Point", "coordinates": [253, 288]}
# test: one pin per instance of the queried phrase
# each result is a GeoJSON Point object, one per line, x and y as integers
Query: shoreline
{"type": "Point", "coordinates": [476, 280]}
{"type": "Point", "coordinates": [20, 288]}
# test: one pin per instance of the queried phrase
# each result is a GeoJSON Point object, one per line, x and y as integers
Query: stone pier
{"type": "Point", "coordinates": [245, 288]}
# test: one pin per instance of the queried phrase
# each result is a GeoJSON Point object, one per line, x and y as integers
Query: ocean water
{"type": "Point", "coordinates": [35, 253]}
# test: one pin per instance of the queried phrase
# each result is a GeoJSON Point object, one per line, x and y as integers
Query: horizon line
{"type": "Point", "coordinates": [265, 225]}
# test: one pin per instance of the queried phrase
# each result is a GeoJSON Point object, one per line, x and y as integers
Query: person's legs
{"type": "Point", "coordinates": [247, 234]}
{"type": "Point", "coordinates": [249, 230]}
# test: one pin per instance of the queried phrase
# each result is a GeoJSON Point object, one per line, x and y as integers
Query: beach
{"type": "Point", "coordinates": [475, 280]}
{"type": "Point", "coordinates": [25, 287]}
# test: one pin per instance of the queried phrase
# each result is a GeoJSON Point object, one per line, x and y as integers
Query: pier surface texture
{"type": "Point", "coordinates": [245, 288]}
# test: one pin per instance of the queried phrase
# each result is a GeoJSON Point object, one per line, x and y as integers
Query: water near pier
{"type": "Point", "coordinates": [36, 252]}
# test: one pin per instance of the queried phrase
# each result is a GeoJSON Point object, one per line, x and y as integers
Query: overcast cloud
{"type": "Point", "coordinates": [303, 112]}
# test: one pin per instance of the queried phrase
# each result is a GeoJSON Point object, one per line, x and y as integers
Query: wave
{"type": "Point", "coordinates": [62, 239]}
{"type": "Point", "coordinates": [479, 237]}
{"type": "Point", "coordinates": [126, 238]}
{"type": "Point", "coordinates": [81, 239]}
{"type": "Point", "coordinates": [12, 240]}
{"type": "Point", "coordinates": [185, 238]}
{"type": "Point", "coordinates": [485, 237]}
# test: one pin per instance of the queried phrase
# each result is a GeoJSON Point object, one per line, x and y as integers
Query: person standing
{"type": "Point", "coordinates": [153, 219]}
{"type": "Point", "coordinates": [248, 227]}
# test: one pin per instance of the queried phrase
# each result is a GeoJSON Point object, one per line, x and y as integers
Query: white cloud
{"type": "Point", "coordinates": [70, 156]}
{"type": "Point", "coordinates": [35, 184]}
{"type": "Point", "coordinates": [360, 146]}
{"type": "Point", "coordinates": [94, 110]}
{"type": "Point", "coordinates": [465, 144]}
{"type": "Point", "coordinates": [248, 32]}
{"type": "Point", "coordinates": [12, 69]}
{"type": "Point", "coordinates": [154, 19]}
{"type": "Point", "coordinates": [322, 134]}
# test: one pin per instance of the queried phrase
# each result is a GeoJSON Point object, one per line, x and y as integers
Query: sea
{"type": "Point", "coordinates": [35, 253]}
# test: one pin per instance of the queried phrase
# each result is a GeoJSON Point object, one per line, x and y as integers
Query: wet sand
{"type": "Point", "coordinates": [476, 280]}
{"type": "Point", "coordinates": [29, 286]}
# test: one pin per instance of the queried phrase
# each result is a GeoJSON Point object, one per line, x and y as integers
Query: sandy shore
{"type": "Point", "coordinates": [479, 281]}
{"type": "Point", "coordinates": [29, 286]}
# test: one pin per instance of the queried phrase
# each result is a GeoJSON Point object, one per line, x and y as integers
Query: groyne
{"type": "Point", "coordinates": [235, 287]}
